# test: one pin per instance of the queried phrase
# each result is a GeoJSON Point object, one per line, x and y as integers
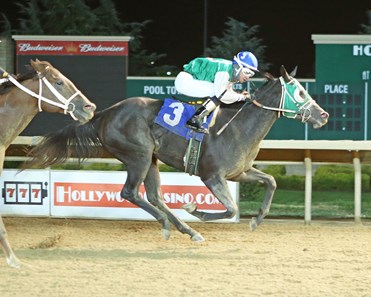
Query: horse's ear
{"type": "Point", "coordinates": [267, 75]}
{"type": "Point", "coordinates": [284, 74]}
{"type": "Point", "coordinates": [34, 63]}
{"type": "Point", "coordinates": [38, 65]}
{"type": "Point", "coordinates": [293, 72]}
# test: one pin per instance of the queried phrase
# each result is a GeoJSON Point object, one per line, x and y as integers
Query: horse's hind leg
{"type": "Point", "coordinates": [136, 173]}
{"type": "Point", "coordinates": [219, 187]}
{"type": "Point", "coordinates": [152, 184]}
{"type": "Point", "coordinates": [11, 258]}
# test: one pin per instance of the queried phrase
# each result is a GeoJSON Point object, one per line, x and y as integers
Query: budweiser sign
{"type": "Point", "coordinates": [95, 48]}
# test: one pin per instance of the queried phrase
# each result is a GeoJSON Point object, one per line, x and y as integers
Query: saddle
{"type": "Point", "coordinates": [173, 116]}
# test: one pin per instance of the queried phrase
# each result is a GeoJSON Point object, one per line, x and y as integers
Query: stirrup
{"type": "Point", "coordinates": [196, 127]}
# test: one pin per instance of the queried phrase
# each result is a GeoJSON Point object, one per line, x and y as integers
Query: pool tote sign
{"type": "Point", "coordinates": [362, 50]}
{"type": "Point", "coordinates": [351, 54]}
{"type": "Point", "coordinates": [343, 67]}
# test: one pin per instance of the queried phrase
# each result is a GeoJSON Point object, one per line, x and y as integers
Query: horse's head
{"type": "Point", "coordinates": [298, 104]}
{"type": "Point", "coordinates": [59, 94]}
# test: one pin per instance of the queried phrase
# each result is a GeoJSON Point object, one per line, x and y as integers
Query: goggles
{"type": "Point", "coordinates": [248, 72]}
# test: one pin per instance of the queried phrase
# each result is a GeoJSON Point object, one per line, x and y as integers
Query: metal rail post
{"type": "Point", "coordinates": [357, 187]}
{"type": "Point", "coordinates": [308, 188]}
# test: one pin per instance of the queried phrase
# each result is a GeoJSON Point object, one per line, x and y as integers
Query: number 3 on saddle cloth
{"type": "Point", "coordinates": [174, 115]}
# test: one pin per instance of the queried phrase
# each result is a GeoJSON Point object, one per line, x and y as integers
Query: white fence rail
{"type": "Point", "coordinates": [305, 152]}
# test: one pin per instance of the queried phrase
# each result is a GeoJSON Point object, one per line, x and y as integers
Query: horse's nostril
{"type": "Point", "coordinates": [324, 115]}
{"type": "Point", "coordinates": [90, 107]}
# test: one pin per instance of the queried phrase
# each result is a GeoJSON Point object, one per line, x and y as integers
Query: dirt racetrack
{"type": "Point", "coordinates": [66, 257]}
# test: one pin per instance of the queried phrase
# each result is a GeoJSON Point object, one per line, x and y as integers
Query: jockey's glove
{"type": "Point", "coordinates": [246, 95]}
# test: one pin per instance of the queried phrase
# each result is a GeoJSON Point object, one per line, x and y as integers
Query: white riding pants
{"type": "Point", "coordinates": [187, 85]}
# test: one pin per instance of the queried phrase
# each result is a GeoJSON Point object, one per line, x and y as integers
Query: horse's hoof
{"type": "Point", "coordinates": [189, 207]}
{"type": "Point", "coordinates": [165, 234]}
{"type": "Point", "coordinates": [14, 262]}
{"type": "Point", "coordinates": [197, 238]}
{"type": "Point", "coordinates": [165, 230]}
{"type": "Point", "coordinates": [253, 224]}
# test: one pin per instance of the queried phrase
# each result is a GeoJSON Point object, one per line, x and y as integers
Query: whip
{"type": "Point", "coordinates": [227, 124]}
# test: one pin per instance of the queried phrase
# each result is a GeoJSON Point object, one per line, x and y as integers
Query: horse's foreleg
{"type": "Point", "coordinates": [219, 187]}
{"type": "Point", "coordinates": [11, 258]}
{"type": "Point", "coordinates": [152, 184]}
{"type": "Point", "coordinates": [255, 175]}
{"type": "Point", "coordinates": [2, 159]}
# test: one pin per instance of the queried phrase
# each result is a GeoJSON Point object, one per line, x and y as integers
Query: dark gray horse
{"type": "Point", "coordinates": [127, 130]}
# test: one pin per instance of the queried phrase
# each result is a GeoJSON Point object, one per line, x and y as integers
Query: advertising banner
{"type": "Point", "coordinates": [97, 65]}
{"type": "Point", "coordinates": [72, 47]}
{"type": "Point", "coordinates": [96, 194]}
{"type": "Point", "coordinates": [25, 193]}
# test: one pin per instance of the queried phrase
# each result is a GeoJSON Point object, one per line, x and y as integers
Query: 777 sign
{"type": "Point", "coordinates": [31, 193]}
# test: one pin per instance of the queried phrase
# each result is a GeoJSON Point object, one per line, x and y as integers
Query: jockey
{"type": "Point", "coordinates": [213, 78]}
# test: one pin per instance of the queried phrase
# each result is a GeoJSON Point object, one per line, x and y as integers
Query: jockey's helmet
{"type": "Point", "coordinates": [246, 59]}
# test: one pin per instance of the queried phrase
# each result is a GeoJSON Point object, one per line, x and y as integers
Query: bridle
{"type": "Point", "coordinates": [65, 104]}
{"type": "Point", "coordinates": [289, 99]}
{"type": "Point", "coordinates": [291, 103]}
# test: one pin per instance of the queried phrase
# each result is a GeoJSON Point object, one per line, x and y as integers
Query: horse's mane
{"type": "Point", "coordinates": [27, 75]}
{"type": "Point", "coordinates": [268, 79]}
{"type": "Point", "coordinates": [31, 73]}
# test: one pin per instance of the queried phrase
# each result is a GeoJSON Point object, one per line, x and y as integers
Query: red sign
{"type": "Point", "coordinates": [108, 195]}
{"type": "Point", "coordinates": [79, 48]}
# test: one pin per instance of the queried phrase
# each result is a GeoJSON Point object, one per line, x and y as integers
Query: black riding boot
{"type": "Point", "coordinates": [195, 122]}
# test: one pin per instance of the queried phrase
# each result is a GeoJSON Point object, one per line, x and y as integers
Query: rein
{"type": "Point", "coordinates": [66, 104]}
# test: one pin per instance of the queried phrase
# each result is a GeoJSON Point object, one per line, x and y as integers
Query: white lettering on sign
{"type": "Point", "coordinates": [26, 47]}
{"type": "Point", "coordinates": [154, 90]}
{"type": "Point", "coordinates": [89, 48]}
{"type": "Point", "coordinates": [160, 90]}
{"type": "Point", "coordinates": [336, 89]}
{"type": "Point", "coordinates": [362, 50]}
{"type": "Point", "coordinates": [67, 194]}
{"type": "Point", "coordinates": [366, 75]}
{"type": "Point", "coordinates": [171, 90]}
{"type": "Point", "coordinates": [185, 198]}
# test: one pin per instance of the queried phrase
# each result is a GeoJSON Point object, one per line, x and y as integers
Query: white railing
{"type": "Point", "coordinates": [346, 147]}
{"type": "Point", "coordinates": [303, 152]}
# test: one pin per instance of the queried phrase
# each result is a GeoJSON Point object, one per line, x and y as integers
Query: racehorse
{"type": "Point", "coordinates": [53, 93]}
{"type": "Point", "coordinates": [127, 130]}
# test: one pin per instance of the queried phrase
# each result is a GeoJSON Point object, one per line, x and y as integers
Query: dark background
{"type": "Point", "coordinates": [177, 27]}
{"type": "Point", "coordinates": [285, 26]}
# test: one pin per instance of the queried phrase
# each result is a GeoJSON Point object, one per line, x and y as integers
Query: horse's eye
{"type": "Point", "coordinates": [59, 82]}
{"type": "Point", "coordinates": [302, 94]}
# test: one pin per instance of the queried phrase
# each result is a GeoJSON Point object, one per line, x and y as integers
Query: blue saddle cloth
{"type": "Point", "coordinates": [174, 115]}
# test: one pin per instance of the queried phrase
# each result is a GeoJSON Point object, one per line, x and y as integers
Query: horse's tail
{"type": "Point", "coordinates": [73, 141]}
